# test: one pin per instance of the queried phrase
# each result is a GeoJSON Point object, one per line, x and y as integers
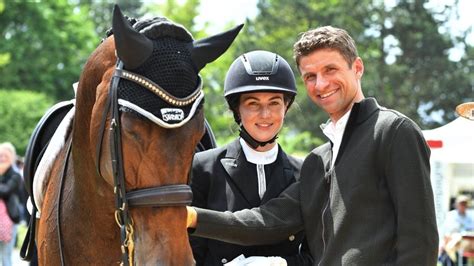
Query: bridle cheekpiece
{"type": "Point", "coordinates": [162, 196]}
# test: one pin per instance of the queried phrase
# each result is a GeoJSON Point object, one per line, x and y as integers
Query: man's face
{"type": "Point", "coordinates": [330, 82]}
{"type": "Point", "coordinates": [462, 206]}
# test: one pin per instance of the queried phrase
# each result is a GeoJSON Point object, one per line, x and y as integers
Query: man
{"type": "Point", "coordinates": [364, 197]}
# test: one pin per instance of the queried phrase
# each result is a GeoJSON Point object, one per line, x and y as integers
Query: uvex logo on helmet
{"type": "Point", "coordinates": [262, 78]}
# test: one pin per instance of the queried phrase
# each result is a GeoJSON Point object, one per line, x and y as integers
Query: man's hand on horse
{"type": "Point", "coordinates": [191, 218]}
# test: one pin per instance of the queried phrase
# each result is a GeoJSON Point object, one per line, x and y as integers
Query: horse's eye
{"type": "Point", "coordinates": [132, 134]}
{"type": "Point", "coordinates": [129, 127]}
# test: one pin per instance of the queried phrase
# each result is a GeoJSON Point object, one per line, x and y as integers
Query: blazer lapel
{"type": "Point", "coordinates": [240, 175]}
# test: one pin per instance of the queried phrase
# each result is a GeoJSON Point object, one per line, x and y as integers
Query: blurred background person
{"type": "Point", "coordinates": [458, 221]}
{"type": "Point", "coordinates": [10, 181]}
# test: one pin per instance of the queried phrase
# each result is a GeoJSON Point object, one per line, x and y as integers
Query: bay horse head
{"type": "Point", "coordinates": [119, 194]}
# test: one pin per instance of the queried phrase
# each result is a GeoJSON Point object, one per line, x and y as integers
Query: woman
{"type": "Point", "coordinates": [259, 88]}
{"type": "Point", "coordinates": [9, 184]}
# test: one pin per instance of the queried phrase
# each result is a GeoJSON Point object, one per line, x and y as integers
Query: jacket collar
{"type": "Point", "coordinates": [361, 111]}
{"type": "Point", "coordinates": [234, 164]}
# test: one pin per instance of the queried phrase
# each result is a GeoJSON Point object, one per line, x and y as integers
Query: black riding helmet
{"type": "Point", "coordinates": [253, 72]}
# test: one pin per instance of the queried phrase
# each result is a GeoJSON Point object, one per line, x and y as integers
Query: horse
{"type": "Point", "coordinates": [117, 189]}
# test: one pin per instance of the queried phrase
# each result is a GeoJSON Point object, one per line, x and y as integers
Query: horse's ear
{"type": "Point", "coordinates": [206, 50]}
{"type": "Point", "coordinates": [132, 47]}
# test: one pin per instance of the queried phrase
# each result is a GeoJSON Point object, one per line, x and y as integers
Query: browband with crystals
{"type": "Point", "coordinates": [158, 90]}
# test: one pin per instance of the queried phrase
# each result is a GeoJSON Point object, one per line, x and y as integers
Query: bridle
{"type": "Point", "coordinates": [162, 196]}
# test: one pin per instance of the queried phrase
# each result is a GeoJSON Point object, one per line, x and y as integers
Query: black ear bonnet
{"type": "Point", "coordinates": [164, 54]}
{"type": "Point", "coordinates": [170, 66]}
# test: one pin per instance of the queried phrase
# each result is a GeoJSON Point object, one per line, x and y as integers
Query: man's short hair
{"type": "Point", "coordinates": [326, 37]}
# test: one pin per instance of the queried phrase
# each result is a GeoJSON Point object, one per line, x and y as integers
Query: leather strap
{"type": "Point", "coordinates": [121, 204]}
{"type": "Point", "coordinates": [253, 142]}
{"type": "Point", "coordinates": [61, 186]}
{"type": "Point", "coordinates": [28, 246]}
{"type": "Point", "coordinates": [173, 195]}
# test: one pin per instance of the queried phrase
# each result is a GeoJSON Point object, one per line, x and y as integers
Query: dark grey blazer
{"type": "Point", "coordinates": [222, 179]}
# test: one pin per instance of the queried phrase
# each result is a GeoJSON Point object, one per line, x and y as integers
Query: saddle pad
{"type": "Point", "coordinates": [57, 142]}
{"type": "Point", "coordinates": [40, 138]}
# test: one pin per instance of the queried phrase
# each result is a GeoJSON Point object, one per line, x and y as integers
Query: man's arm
{"type": "Point", "coordinates": [271, 223]}
{"type": "Point", "coordinates": [407, 170]}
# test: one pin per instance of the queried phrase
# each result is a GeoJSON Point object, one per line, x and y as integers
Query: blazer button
{"type": "Point", "coordinates": [291, 238]}
{"type": "Point", "coordinates": [224, 261]}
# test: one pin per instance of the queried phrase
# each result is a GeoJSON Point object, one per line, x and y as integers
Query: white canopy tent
{"type": "Point", "coordinates": [451, 145]}
{"type": "Point", "coordinates": [453, 142]}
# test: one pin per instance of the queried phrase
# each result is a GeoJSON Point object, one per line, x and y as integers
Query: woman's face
{"type": "Point", "coordinates": [262, 115]}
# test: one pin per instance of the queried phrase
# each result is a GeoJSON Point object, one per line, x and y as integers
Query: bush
{"type": "Point", "coordinates": [20, 111]}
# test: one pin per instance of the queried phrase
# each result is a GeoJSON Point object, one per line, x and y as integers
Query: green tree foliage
{"type": "Point", "coordinates": [422, 80]}
{"type": "Point", "coordinates": [180, 12]}
{"type": "Point", "coordinates": [100, 12]}
{"type": "Point", "coordinates": [44, 45]}
{"type": "Point", "coordinates": [20, 111]}
{"type": "Point", "coordinates": [4, 57]}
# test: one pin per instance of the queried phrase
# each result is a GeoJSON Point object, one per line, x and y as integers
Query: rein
{"type": "Point", "coordinates": [162, 196]}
